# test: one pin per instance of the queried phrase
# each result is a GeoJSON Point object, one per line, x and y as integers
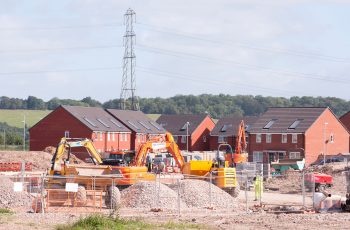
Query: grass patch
{"type": "Point", "coordinates": [5, 211]}
{"type": "Point", "coordinates": [15, 117]}
{"type": "Point", "coordinates": [100, 222]}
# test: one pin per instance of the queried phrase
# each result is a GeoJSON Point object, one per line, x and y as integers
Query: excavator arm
{"type": "Point", "coordinates": [241, 139]}
{"type": "Point", "coordinates": [71, 143]}
{"type": "Point", "coordinates": [170, 145]}
{"type": "Point", "coordinates": [174, 149]}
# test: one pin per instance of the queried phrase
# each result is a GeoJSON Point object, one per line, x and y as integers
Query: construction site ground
{"type": "Point", "coordinates": [282, 192]}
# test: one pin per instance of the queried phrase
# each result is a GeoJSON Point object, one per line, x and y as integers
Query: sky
{"type": "Point", "coordinates": [74, 48]}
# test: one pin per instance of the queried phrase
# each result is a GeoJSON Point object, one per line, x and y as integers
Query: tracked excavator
{"type": "Point", "coordinates": [222, 175]}
{"type": "Point", "coordinates": [62, 172]}
{"type": "Point", "coordinates": [240, 155]}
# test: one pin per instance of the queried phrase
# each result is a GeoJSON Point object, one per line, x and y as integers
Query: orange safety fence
{"type": "Point", "coordinates": [60, 197]}
{"type": "Point", "coordinates": [15, 166]}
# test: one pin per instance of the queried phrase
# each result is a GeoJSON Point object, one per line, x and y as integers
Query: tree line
{"type": "Point", "coordinates": [11, 135]}
{"type": "Point", "coordinates": [215, 105]}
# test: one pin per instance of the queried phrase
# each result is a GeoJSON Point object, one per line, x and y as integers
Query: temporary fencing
{"type": "Point", "coordinates": [174, 194]}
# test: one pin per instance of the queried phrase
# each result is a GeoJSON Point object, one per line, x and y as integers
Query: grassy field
{"type": "Point", "coordinates": [99, 222]}
{"type": "Point", "coordinates": [15, 117]}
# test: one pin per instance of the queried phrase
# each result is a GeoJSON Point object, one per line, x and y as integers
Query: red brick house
{"type": "Point", "coordinates": [140, 125]}
{"type": "Point", "coordinates": [296, 133]}
{"type": "Point", "coordinates": [80, 122]}
{"type": "Point", "coordinates": [197, 130]}
{"type": "Point", "coordinates": [226, 129]}
{"type": "Point", "coordinates": [345, 119]}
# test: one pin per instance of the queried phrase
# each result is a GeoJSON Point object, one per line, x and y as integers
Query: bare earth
{"type": "Point", "coordinates": [283, 192]}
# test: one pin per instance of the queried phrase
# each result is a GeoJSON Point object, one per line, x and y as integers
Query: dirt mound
{"type": "Point", "coordinates": [50, 149]}
{"type": "Point", "coordinates": [11, 199]}
{"type": "Point", "coordinates": [144, 195]}
{"type": "Point", "coordinates": [40, 160]}
{"type": "Point", "coordinates": [73, 159]}
{"type": "Point", "coordinates": [196, 193]}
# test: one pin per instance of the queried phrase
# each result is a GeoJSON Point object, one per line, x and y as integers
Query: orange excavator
{"type": "Point", "coordinates": [159, 143]}
{"type": "Point", "coordinates": [240, 155]}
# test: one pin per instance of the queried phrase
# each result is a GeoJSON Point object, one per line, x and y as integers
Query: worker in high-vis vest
{"type": "Point", "coordinates": [258, 185]}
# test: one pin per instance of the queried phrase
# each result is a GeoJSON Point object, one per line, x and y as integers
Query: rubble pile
{"type": "Point", "coordinates": [73, 159]}
{"type": "Point", "coordinates": [195, 193]}
{"type": "Point", "coordinates": [40, 160]}
{"type": "Point", "coordinates": [11, 199]}
{"type": "Point", "coordinates": [145, 195]}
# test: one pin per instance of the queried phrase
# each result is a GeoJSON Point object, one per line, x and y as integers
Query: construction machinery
{"type": "Point", "coordinates": [240, 155]}
{"type": "Point", "coordinates": [221, 174]}
{"type": "Point", "coordinates": [318, 181]}
{"type": "Point", "coordinates": [104, 176]}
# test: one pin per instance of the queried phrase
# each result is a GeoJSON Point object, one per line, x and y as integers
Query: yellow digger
{"type": "Point", "coordinates": [223, 175]}
{"type": "Point", "coordinates": [64, 172]}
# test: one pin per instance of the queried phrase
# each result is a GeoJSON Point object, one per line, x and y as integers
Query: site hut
{"type": "Point", "coordinates": [142, 127]}
{"type": "Point", "coordinates": [107, 133]}
{"type": "Point", "coordinates": [297, 133]}
{"type": "Point", "coordinates": [345, 119]}
{"type": "Point", "coordinates": [197, 127]}
{"type": "Point", "coordinates": [226, 129]}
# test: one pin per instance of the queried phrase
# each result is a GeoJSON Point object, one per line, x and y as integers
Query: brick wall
{"type": "Point", "coordinates": [50, 130]}
{"type": "Point", "coordinates": [315, 137]}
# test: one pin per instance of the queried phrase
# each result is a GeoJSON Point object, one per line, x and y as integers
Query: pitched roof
{"type": "Point", "coordinates": [344, 120]}
{"type": "Point", "coordinates": [137, 121]}
{"type": "Point", "coordinates": [176, 123]}
{"type": "Point", "coordinates": [97, 119]}
{"type": "Point", "coordinates": [287, 120]}
{"type": "Point", "coordinates": [228, 126]}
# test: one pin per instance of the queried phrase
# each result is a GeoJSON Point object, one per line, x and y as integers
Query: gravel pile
{"type": "Point", "coordinates": [143, 195]}
{"type": "Point", "coordinates": [40, 160]}
{"type": "Point", "coordinates": [195, 193]}
{"type": "Point", "coordinates": [11, 199]}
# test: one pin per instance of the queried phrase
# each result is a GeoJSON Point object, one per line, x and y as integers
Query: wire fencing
{"type": "Point", "coordinates": [174, 194]}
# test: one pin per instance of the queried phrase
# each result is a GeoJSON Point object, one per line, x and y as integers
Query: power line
{"type": "Point", "coordinates": [61, 27]}
{"type": "Point", "coordinates": [207, 81]}
{"type": "Point", "coordinates": [60, 71]}
{"type": "Point", "coordinates": [60, 48]}
{"type": "Point", "coordinates": [255, 67]}
{"type": "Point", "coordinates": [248, 46]}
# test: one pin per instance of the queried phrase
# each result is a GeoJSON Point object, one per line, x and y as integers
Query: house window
{"type": "Point", "coordinates": [281, 155]}
{"type": "Point", "coordinates": [294, 138]}
{"type": "Point", "coordinates": [108, 136]}
{"type": "Point", "coordinates": [113, 139]}
{"type": "Point", "coordinates": [268, 138]}
{"type": "Point", "coordinates": [139, 137]}
{"type": "Point", "coordinates": [258, 138]}
{"type": "Point", "coordinates": [294, 155]}
{"type": "Point", "coordinates": [257, 156]}
{"type": "Point", "coordinates": [176, 138]}
{"type": "Point", "coordinates": [66, 134]}
{"type": "Point", "coordinates": [101, 136]}
{"type": "Point", "coordinates": [284, 138]}
{"type": "Point", "coordinates": [331, 138]}
{"type": "Point", "coordinates": [95, 136]}
{"type": "Point", "coordinates": [183, 139]}
{"type": "Point", "coordinates": [204, 138]}
{"type": "Point", "coordinates": [125, 137]}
